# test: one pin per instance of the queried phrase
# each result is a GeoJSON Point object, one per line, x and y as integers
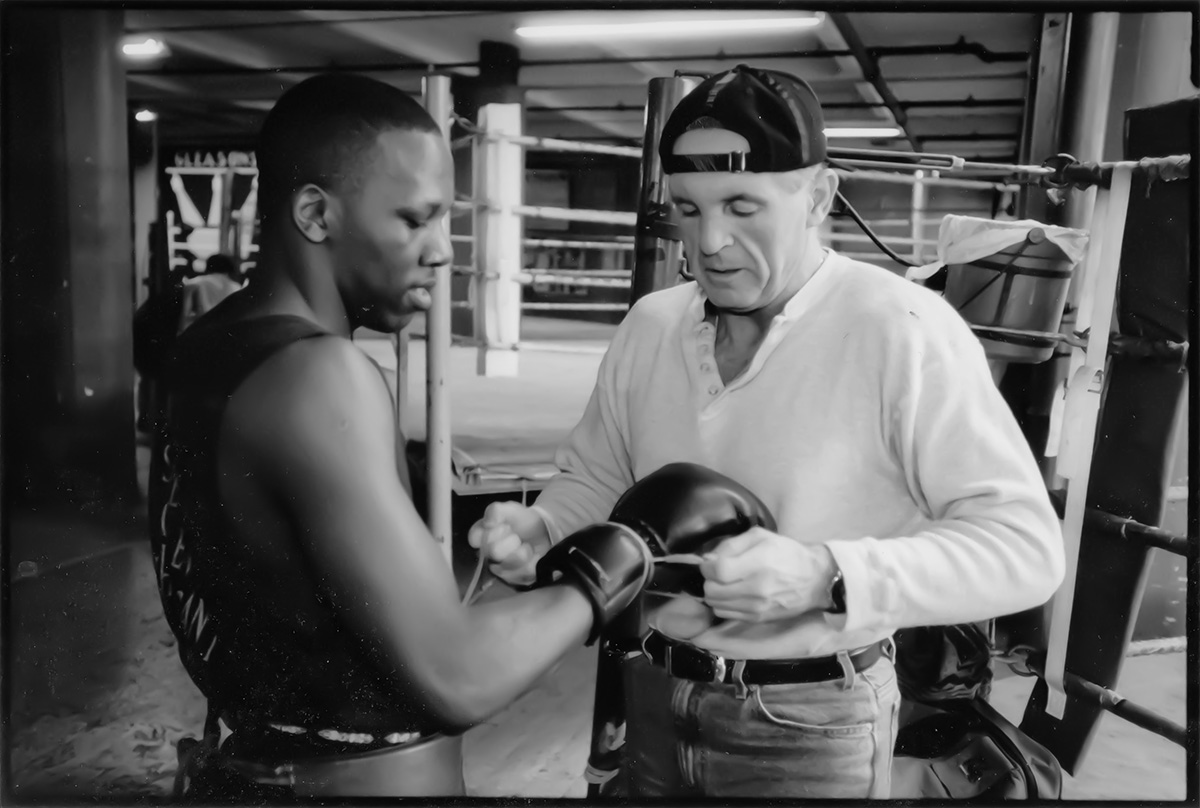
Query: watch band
{"type": "Point", "coordinates": [837, 594]}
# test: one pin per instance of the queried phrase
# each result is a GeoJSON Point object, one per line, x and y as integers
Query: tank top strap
{"type": "Point", "coordinates": [217, 357]}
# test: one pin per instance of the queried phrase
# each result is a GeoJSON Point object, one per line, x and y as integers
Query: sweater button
{"type": "Point", "coordinates": [706, 367]}
{"type": "Point", "coordinates": [712, 391]}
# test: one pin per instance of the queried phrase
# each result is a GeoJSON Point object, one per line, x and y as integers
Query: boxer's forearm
{"type": "Point", "coordinates": [508, 645]}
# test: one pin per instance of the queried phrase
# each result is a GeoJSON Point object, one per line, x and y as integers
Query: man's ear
{"type": "Point", "coordinates": [824, 192]}
{"type": "Point", "coordinates": [314, 213]}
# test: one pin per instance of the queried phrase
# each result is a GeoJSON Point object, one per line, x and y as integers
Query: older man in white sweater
{"type": "Point", "coordinates": [857, 405]}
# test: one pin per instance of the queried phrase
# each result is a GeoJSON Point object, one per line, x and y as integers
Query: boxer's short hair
{"type": "Point", "coordinates": [322, 130]}
{"type": "Point", "coordinates": [777, 113]}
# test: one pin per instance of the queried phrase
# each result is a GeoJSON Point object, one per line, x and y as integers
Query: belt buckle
{"type": "Point", "coordinates": [719, 669]}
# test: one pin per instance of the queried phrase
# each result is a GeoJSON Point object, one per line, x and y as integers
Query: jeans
{"type": "Point", "coordinates": [815, 740]}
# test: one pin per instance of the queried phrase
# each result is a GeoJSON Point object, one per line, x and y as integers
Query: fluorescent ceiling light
{"type": "Point", "coordinates": [665, 28]}
{"type": "Point", "coordinates": [862, 131]}
{"type": "Point", "coordinates": [145, 115]}
{"type": "Point", "coordinates": [143, 48]}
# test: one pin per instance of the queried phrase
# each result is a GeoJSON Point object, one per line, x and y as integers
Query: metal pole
{"type": "Point", "coordinates": [658, 253]}
{"type": "Point", "coordinates": [1116, 704]}
{"type": "Point", "coordinates": [439, 103]}
{"type": "Point", "coordinates": [918, 216]}
{"type": "Point", "coordinates": [1086, 381]}
{"type": "Point", "coordinates": [1134, 531]}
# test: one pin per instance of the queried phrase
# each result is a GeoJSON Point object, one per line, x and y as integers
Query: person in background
{"type": "Point", "coordinates": [856, 405]}
{"type": "Point", "coordinates": [155, 327]}
{"type": "Point", "coordinates": [203, 292]}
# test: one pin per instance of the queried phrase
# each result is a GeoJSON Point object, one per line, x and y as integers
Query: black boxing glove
{"type": "Point", "coordinates": [608, 562]}
{"type": "Point", "coordinates": [685, 508]}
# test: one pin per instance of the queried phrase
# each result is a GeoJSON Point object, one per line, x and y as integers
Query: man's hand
{"type": "Point", "coordinates": [761, 576]}
{"type": "Point", "coordinates": [513, 537]}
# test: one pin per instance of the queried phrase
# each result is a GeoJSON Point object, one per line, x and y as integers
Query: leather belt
{"type": "Point", "coordinates": [431, 767]}
{"type": "Point", "coordinates": [686, 661]}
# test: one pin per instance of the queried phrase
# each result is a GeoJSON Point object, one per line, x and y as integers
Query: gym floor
{"type": "Point", "coordinates": [98, 698]}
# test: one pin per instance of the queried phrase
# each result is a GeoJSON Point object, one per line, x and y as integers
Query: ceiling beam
{"type": "Point", "coordinates": [870, 70]}
{"type": "Point", "coordinates": [833, 42]}
{"type": "Point", "coordinates": [417, 42]}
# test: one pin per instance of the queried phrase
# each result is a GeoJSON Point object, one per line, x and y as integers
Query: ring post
{"type": "Point", "coordinates": [440, 105]}
{"type": "Point", "coordinates": [1085, 387]}
{"type": "Point", "coordinates": [658, 254]}
{"type": "Point", "coordinates": [499, 180]}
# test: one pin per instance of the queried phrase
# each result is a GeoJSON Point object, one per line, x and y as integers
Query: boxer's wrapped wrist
{"type": "Point", "coordinates": [609, 563]}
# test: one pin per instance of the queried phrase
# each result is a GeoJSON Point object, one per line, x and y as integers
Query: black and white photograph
{"type": "Point", "coordinates": [606, 402]}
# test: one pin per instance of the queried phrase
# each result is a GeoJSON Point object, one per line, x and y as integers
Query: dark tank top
{"type": "Point", "coordinates": [240, 637]}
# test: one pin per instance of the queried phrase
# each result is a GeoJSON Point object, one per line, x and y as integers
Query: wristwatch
{"type": "Point", "coordinates": [837, 594]}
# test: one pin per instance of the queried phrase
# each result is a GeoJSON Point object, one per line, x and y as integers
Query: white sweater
{"type": "Point", "coordinates": [868, 421]}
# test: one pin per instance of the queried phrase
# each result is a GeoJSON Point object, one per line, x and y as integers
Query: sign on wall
{"type": "Point", "coordinates": [209, 205]}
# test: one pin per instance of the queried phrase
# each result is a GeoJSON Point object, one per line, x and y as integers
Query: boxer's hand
{"type": "Point", "coordinates": [761, 576]}
{"type": "Point", "coordinates": [610, 564]}
{"type": "Point", "coordinates": [512, 537]}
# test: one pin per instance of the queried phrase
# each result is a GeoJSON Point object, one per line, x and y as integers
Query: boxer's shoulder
{"type": "Point", "coordinates": [310, 386]}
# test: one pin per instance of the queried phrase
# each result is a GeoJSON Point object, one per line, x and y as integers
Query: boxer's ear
{"type": "Point", "coordinates": [313, 213]}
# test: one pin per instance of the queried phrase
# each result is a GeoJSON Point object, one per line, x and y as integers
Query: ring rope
{"type": "Point", "coordinates": [567, 279]}
{"type": "Point", "coordinates": [580, 245]}
{"type": "Point", "coordinates": [1162, 645]}
{"type": "Point", "coordinates": [1017, 657]}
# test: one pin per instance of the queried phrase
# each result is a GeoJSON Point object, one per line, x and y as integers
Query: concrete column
{"type": "Point", "coordinates": [499, 65]}
{"type": "Point", "coordinates": [499, 181]}
{"type": "Point", "coordinates": [68, 285]}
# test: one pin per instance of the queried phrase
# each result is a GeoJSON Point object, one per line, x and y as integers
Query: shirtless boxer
{"type": "Point", "coordinates": [312, 606]}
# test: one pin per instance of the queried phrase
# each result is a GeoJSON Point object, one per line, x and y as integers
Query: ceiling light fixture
{"type": "Point", "coordinates": [666, 28]}
{"type": "Point", "coordinates": [862, 131]}
{"type": "Point", "coordinates": [145, 115]}
{"type": "Point", "coordinates": [143, 48]}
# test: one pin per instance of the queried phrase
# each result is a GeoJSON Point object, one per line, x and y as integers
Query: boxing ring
{"type": "Point", "coordinates": [462, 464]}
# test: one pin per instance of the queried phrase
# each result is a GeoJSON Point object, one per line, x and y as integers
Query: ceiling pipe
{"type": "Point", "coordinates": [969, 102]}
{"type": "Point", "coordinates": [438, 66]}
{"type": "Point", "coordinates": [387, 67]}
{"type": "Point", "coordinates": [432, 67]}
{"type": "Point", "coordinates": [306, 23]}
{"type": "Point", "coordinates": [960, 48]}
{"type": "Point", "coordinates": [870, 70]}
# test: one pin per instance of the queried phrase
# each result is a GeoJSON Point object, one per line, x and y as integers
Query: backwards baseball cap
{"type": "Point", "coordinates": [777, 113]}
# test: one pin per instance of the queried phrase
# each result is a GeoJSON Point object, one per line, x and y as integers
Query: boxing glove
{"type": "Point", "coordinates": [687, 509]}
{"type": "Point", "coordinates": [608, 562]}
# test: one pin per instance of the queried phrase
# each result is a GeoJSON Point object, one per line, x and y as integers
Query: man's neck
{"type": "Point", "coordinates": [298, 287]}
{"type": "Point", "coordinates": [750, 326]}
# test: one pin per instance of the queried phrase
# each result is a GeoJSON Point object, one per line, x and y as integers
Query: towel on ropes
{"type": "Point", "coordinates": [963, 239]}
